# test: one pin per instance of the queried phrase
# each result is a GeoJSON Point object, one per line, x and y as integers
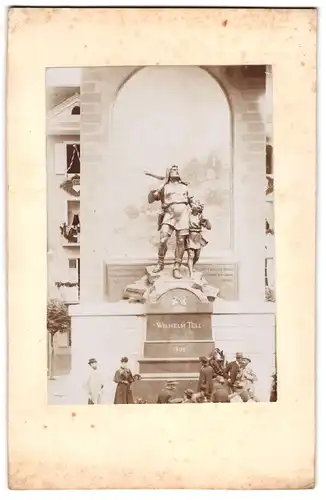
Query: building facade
{"type": "Point", "coordinates": [63, 198]}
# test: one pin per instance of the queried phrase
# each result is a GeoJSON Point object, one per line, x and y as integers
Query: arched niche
{"type": "Point", "coordinates": [164, 116]}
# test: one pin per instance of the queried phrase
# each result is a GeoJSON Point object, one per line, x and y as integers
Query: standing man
{"type": "Point", "coordinates": [175, 202]}
{"type": "Point", "coordinates": [233, 373]}
{"type": "Point", "coordinates": [205, 382]}
{"type": "Point", "coordinates": [94, 385]}
{"type": "Point", "coordinates": [233, 369]}
{"type": "Point", "coordinates": [167, 394]}
{"type": "Point", "coordinates": [249, 378]}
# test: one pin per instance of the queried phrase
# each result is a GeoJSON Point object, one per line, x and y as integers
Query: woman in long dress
{"type": "Point", "coordinates": [124, 378]}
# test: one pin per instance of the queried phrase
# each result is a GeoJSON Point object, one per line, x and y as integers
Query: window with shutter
{"type": "Point", "coordinates": [60, 162]}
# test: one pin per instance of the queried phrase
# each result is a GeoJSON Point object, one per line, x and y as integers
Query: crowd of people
{"type": "Point", "coordinates": [219, 381]}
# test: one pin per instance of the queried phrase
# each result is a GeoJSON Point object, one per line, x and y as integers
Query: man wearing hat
{"type": "Point", "coordinates": [233, 369]}
{"type": "Point", "coordinates": [94, 385]}
{"type": "Point", "coordinates": [233, 373]}
{"type": "Point", "coordinates": [188, 394]}
{"type": "Point", "coordinates": [249, 378]}
{"type": "Point", "coordinates": [167, 394]}
{"type": "Point", "coordinates": [205, 382]}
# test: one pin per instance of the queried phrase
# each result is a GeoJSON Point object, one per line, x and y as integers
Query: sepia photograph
{"type": "Point", "coordinates": [161, 194]}
{"type": "Point", "coordinates": [160, 235]}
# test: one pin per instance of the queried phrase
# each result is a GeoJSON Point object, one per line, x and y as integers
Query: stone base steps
{"type": "Point", "coordinates": [171, 376]}
{"type": "Point", "coordinates": [177, 348]}
{"type": "Point", "coordinates": [153, 383]}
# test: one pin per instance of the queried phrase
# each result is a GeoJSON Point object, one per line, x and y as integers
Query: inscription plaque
{"type": "Point", "coordinates": [222, 276]}
{"type": "Point", "coordinates": [118, 276]}
{"type": "Point", "coordinates": [179, 327]}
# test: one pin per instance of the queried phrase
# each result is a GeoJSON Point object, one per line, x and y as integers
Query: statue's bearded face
{"type": "Point", "coordinates": [174, 173]}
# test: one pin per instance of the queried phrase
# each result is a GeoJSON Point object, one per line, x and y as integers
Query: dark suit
{"type": "Point", "coordinates": [231, 371]}
{"type": "Point", "coordinates": [164, 397]}
{"type": "Point", "coordinates": [205, 382]}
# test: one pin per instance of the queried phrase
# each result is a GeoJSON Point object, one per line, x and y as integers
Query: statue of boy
{"type": "Point", "coordinates": [195, 240]}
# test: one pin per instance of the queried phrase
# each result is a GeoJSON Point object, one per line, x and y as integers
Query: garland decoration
{"type": "Point", "coordinates": [69, 185]}
{"type": "Point", "coordinates": [67, 284]}
{"type": "Point", "coordinates": [269, 294]}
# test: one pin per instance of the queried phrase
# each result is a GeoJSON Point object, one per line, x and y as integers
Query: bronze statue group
{"type": "Point", "coordinates": [182, 214]}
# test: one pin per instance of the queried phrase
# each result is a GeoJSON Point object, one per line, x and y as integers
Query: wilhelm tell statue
{"type": "Point", "coordinates": [174, 216]}
{"type": "Point", "coordinates": [182, 214]}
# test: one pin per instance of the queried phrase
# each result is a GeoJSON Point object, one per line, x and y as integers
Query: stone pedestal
{"type": "Point", "coordinates": [178, 331]}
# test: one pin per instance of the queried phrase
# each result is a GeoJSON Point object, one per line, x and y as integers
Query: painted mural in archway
{"type": "Point", "coordinates": [164, 116]}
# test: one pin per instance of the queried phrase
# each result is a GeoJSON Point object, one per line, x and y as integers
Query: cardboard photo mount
{"type": "Point", "coordinates": [263, 446]}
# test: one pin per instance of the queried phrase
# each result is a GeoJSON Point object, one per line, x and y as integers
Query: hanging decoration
{"type": "Point", "coordinates": [67, 284]}
{"type": "Point", "coordinates": [269, 294]}
{"type": "Point", "coordinates": [71, 234]}
{"type": "Point", "coordinates": [72, 186]}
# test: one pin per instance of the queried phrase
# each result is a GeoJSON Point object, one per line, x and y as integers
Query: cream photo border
{"type": "Point", "coordinates": [263, 446]}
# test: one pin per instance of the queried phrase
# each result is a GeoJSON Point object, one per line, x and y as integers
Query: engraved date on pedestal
{"type": "Point", "coordinates": [178, 349]}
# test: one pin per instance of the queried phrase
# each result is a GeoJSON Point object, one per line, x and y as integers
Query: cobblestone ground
{"type": "Point", "coordinates": [62, 362]}
{"type": "Point", "coordinates": [58, 387]}
{"type": "Point", "coordinates": [58, 390]}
